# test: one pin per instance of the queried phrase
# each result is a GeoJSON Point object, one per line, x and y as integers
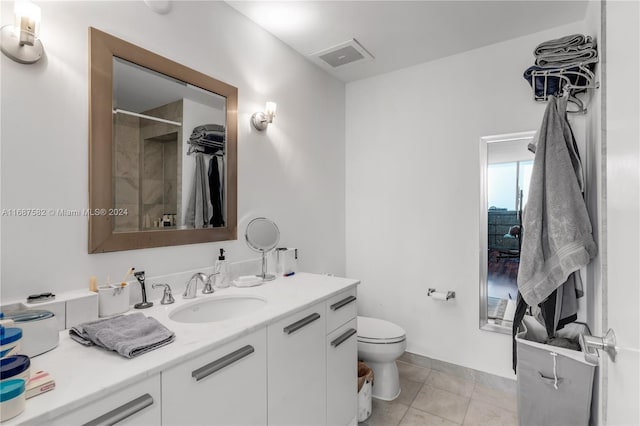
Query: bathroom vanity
{"type": "Point", "coordinates": [299, 349]}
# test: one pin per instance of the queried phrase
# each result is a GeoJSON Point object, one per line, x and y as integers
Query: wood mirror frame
{"type": "Point", "coordinates": [102, 48]}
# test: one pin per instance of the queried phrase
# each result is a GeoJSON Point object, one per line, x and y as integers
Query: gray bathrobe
{"type": "Point", "coordinates": [557, 236]}
{"type": "Point", "coordinates": [199, 209]}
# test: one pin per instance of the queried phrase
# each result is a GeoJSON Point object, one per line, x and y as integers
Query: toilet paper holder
{"type": "Point", "coordinates": [449, 295]}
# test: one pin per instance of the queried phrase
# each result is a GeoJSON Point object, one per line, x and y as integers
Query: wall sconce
{"type": "Point", "coordinates": [261, 120]}
{"type": "Point", "coordinates": [20, 41]}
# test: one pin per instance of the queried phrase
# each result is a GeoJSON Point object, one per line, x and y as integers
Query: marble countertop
{"type": "Point", "coordinates": [79, 371]}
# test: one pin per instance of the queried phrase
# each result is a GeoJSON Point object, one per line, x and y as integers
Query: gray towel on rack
{"type": "Point", "coordinates": [199, 209]}
{"type": "Point", "coordinates": [129, 335]}
{"type": "Point", "coordinates": [566, 51]}
{"type": "Point", "coordinates": [567, 59]}
{"type": "Point", "coordinates": [557, 235]}
{"type": "Point", "coordinates": [570, 42]}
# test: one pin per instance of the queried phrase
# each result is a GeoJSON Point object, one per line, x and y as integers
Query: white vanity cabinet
{"type": "Point", "coordinates": [227, 386]}
{"type": "Point", "coordinates": [296, 368]}
{"type": "Point", "coordinates": [138, 404]}
{"type": "Point", "coordinates": [295, 364]}
{"type": "Point", "coordinates": [342, 359]}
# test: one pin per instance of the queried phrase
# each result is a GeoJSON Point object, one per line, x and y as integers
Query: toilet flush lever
{"type": "Point", "coordinates": [591, 344]}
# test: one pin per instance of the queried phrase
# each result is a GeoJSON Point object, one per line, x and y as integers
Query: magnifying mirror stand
{"type": "Point", "coordinates": [264, 275]}
{"type": "Point", "coordinates": [262, 235]}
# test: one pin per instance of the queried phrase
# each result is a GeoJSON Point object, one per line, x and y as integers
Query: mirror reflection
{"type": "Point", "coordinates": [507, 169]}
{"type": "Point", "coordinates": [169, 157]}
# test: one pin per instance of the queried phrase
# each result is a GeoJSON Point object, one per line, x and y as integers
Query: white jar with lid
{"type": "Point", "coordinates": [12, 398]}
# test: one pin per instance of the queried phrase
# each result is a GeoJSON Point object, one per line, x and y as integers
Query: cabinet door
{"type": "Point", "coordinates": [227, 386]}
{"type": "Point", "coordinates": [296, 369]}
{"type": "Point", "coordinates": [137, 404]}
{"type": "Point", "coordinates": [342, 375]}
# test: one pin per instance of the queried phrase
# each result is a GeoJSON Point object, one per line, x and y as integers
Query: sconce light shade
{"type": "Point", "coordinates": [20, 42]}
{"type": "Point", "coordinates": [270, 110]}
{"type": "Point", "coordinates": [261, 120]}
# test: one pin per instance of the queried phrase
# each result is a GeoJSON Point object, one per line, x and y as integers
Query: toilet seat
{"type": "Point", "coordinates": [378, 331]}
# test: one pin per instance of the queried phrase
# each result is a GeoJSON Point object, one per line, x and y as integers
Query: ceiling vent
{"type": "Point", "coordinates": [344, 53]}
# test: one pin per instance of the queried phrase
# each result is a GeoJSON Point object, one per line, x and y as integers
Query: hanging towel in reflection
{"type": "Point", "coordinates": [199, 209]}
{"type": "Point", "coordinates": [215, 192]}
{"type": "Point", "coordinates": [557, 236]}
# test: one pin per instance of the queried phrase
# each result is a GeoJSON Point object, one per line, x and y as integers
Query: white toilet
{"type": "Point", "coordinates": [380, 343]}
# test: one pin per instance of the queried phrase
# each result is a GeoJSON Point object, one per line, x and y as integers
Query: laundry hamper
{"type": "Point", "coordinates": [365, 385]}
{"type": "Point", "coordinates": [554, 383]}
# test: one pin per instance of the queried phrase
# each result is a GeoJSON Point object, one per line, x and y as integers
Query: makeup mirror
{"type": "Point", "coordinates": [263, 235]}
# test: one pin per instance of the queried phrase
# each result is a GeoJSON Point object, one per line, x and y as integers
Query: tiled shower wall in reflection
{"type": "Point", "coordinates": [147, 168]}
{"type": "Point", "coordinates": [126, 171]}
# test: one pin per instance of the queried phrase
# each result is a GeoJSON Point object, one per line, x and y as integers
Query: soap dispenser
{"type": "Point", "coordinates": [221, 271]}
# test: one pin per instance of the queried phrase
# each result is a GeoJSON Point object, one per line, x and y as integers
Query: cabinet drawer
{"type": "Point", "coordinates": [340, 309]}
{"type": "Point", "coordinates": [342, 375]}
{"type": "Point", "coordinates": [137, 404]}
{"type": "Point", "coordinates": [227, 386]}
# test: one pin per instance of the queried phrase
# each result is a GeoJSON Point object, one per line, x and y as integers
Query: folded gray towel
{"type": "Point", "coordinates": [129, 335]}
{"type": "Point", "coordinates": [566, 51]}
{"type": "Point", "coordinates": [573, 41]}
{"type": "Point", "coordinates": [568, 59]}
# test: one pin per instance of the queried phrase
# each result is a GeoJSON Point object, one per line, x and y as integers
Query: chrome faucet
{"type": "Point", "coordinates": [192, 285]}
{"type": "Point", "coordinates": [167, 297]}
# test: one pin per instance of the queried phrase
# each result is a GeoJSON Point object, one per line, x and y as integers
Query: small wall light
{"type": "Point", "coordinates": [20, 41]}
{"type": "Point", "coordinates": [261, 120]}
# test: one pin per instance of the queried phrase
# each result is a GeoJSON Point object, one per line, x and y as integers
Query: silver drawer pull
{"type": "Point", "coordinates": [299, 324]}
{"type": "Point", "coordinates": [343, 302]}
{"type": "Point", "coordinates": [344, 337]}
{"type": "Point", "coordinates": [122, 412]}
{"type": "Point", "coordinates": [221, 363]}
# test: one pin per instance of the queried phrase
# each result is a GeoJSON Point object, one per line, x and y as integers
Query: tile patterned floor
{"type": "Point", "coordinates": [431, 397]}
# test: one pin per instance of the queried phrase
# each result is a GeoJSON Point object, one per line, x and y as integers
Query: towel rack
{"type": "Point", "coordinates": [195, 148]}
{"type": "Point", "coordinates": [571, 80]}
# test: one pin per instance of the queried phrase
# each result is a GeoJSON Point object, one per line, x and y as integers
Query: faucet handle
{"type": "Point", "coordinates": [208, 287]}
{"type": "Point", "coordinates": [167, 297]}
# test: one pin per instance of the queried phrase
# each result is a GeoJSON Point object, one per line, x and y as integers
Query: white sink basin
{"type": "Point", "coordinates": [216, 309]}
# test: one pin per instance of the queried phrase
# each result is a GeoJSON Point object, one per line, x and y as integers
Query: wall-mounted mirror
{"type": "Point", "coordinates": [163, 151]}
{"type": "Point", "coordinates": [505, 170]}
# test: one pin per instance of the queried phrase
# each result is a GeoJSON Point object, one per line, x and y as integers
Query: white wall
{"type": "Point", "coordinates": [292, 173]}
{"type": "Point", "coordinates": [412, 189]}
